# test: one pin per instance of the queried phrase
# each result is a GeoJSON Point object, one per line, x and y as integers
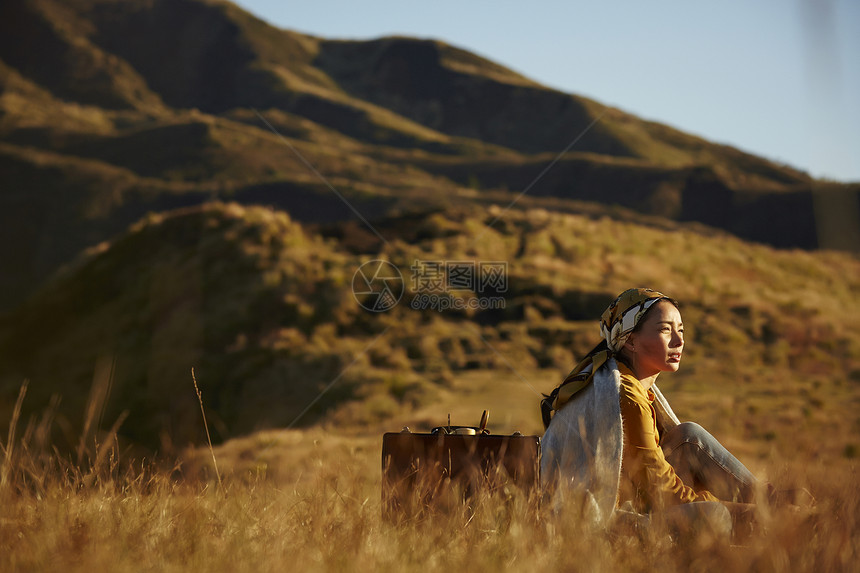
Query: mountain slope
{"type": "Point", "coordinates": [158, 87]}
{"type": "Point", "coordinates": [263, 310]}
{"type": "Point", "coordinates": [214, 57]}
{"type": "Point", "coordinates": [170, 295]}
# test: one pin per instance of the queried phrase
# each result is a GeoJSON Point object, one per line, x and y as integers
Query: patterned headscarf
{"type": "Point", "coordinates": [622, 316]}
{"type": "Point", "coordinates": [616, 325]}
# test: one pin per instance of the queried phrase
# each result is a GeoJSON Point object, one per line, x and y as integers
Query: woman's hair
{"type": "Point", "coordinates": [644, 317]}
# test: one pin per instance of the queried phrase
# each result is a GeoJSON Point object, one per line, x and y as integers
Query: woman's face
{"type": "Point", "coordinates": [657, 346]}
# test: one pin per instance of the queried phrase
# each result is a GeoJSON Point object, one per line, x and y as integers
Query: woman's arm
{"type": "Point", "coordinates": [654, 480]}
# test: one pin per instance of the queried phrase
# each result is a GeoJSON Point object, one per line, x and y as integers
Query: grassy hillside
{"type": "Point", "coordinates": [264, 311]}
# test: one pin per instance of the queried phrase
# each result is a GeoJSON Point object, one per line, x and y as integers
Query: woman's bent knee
{"type": "Point", "coordinates": [685, 432]}
{"type": "Point", "coordinates": [688, 430]}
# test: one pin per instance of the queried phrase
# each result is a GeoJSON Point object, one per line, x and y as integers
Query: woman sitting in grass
{"type": "Point", "coordinates": [611, 435]}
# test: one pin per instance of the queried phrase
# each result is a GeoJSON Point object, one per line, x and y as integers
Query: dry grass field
{"type": "Point", "coordinates": [309, 500]}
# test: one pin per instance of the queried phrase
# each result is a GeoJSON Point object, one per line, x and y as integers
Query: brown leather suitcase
{"type": "Point", "coordinates": [423, 472]}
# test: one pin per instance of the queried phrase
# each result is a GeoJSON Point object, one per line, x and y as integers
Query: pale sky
{"type": "Point", "coordinates": [777, 78]}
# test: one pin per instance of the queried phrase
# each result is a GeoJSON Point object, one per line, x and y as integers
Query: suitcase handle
{"type": "Point", "coordinates": [459, 431]}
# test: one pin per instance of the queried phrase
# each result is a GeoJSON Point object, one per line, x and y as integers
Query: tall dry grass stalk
{"type": "Point", "coordinates": [99, 394]}
{"type": "Point", "coordinates": [9, 448]}
{"type": "Point", "coordinates": [206, 427]}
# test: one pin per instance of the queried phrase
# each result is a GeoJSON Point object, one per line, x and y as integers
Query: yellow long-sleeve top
{"type": "Point", "coordinates": [647, 479]}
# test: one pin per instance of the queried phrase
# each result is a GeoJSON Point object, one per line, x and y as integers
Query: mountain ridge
{"type": "Point", "coordinates": [203, 99]}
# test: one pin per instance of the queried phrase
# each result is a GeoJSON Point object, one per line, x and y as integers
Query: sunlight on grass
{"type": "Point", "coordinates": [150, 517]}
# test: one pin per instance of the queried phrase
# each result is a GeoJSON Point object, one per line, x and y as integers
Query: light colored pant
{"type": "Point", "coordinates": [704, 463]}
